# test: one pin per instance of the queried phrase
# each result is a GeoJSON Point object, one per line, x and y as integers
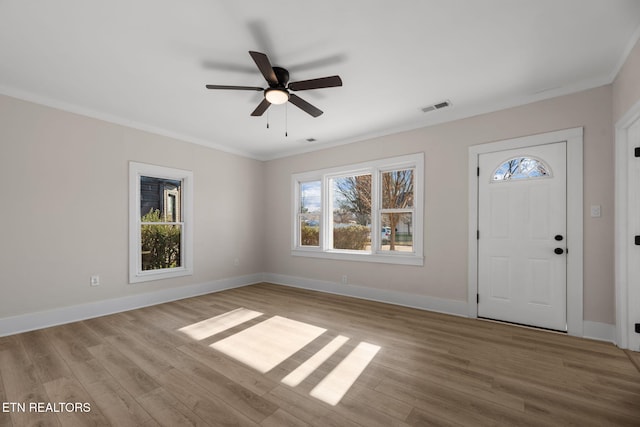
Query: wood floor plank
{"type": "Point", "coordinates": [73, 403]}
{"type": "Point", "coordinates": [452, 405]}
{"type": "Point", "coordinates": [419, 417]}
{"type": "Point", "coordinates": [138, 369]}
{"type": "Point", "coordinates": [235, 395]}
{"type": "Point", "coordinates": [169, 411]}
{"type": "Point", "coordinates": [233, 370]}
{"type": "Point", "coordinates": [364, 414]}
{"type": "Point", "coordinates": [634, 357]}
{"type": "Point", "coordinates": [71, 346]}
{"type": "Point", "coordinates": [281, 418]}
{"type": "Point", "coordinates": [48, 363]}
{"type": "Point", "coordinates": [304, 407]}
{"type": "Point", "coordinates": [146, 357]}
{"type": "Point", "coordinates": [130, 376]}
{"type": "Point", "coordinates": [387, 403]}
{"type": "Point", "coordinates": [106, 326]}
{"type": "Point", "coordinates": [201, 401]}
{"type": "Point", "coordinates": [22, 385]}
{"type": "Point", "coordinates": [5, 416]}
{"type": "Point", "coordinates": [116, 404]}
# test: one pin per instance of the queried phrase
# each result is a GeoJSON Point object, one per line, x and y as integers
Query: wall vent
{"type": "Point", "coordinates": [310, 140]}
{"type": "Point", "coordinates": [438, 106]}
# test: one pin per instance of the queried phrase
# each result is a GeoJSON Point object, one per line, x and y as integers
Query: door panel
{"type": "Point", "coordinates": [520, 277]}
{"type": "Point", "coordinates": [500, 274]}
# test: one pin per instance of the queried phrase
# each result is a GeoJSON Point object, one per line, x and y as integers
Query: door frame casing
{"type": "Point", "coordinates": [575, 256]}
{"type": "Point", "coordinates": [627, 206]}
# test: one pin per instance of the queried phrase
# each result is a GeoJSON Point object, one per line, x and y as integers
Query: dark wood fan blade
{"type": "Point", "coordinates": [261, 108]}
{"type": "Point", "coordinates": [322, 82]}
{"type": "Point", "coordinates": [304, 105]}
{"type": "Point", "coordinates": [265, 67]}
{"type": "Point", "coordinates": [234, 87]}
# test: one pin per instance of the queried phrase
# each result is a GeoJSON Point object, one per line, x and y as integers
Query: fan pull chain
{"type": "Point", "coordinates": [286, 122]}
{"type": "Point", "coordinates": [267, 119]}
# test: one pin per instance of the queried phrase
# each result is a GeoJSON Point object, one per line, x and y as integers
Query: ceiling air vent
{"type": "Point", "coordinates": [311, 140]}
{"type": "Point", "coordinates": [438, 106]}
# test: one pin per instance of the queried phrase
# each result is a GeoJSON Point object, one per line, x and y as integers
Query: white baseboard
{"type": "Point", "coordinates": [440, 305]}
{"type": "Point", "coordinates": [599, 331]}
{"type": "Point", "coordinates": [58, 316]}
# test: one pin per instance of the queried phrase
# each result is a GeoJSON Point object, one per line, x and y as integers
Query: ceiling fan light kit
{"type": "Point", "coordinates": [279, 88]}
{"type": "Point", "coordinates": [276, 96]}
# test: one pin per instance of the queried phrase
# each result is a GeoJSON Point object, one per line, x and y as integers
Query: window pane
{"type": "Point", "coordinates": [351, 196]}
{"type": "Point", "coordinates": [310, 197]}
{"type": "Point", "coordinates": [160, 199]}
{"type": "Point", "coordinates": [521, 168]}
{"type": "Point", "coordinates": [310, 229]}
{"type": "Point", "coordinates": [160, 246]}
{"type": "Point", "coordinates": [396, 233]}
{"type": "Point", "coordinates": [397, 189]}
{"type": "Point", "coordinates": [309, 215]}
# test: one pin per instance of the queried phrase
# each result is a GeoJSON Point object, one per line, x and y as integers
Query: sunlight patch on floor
{"type": "Point", "coordinates": [269, 343]}
{"type": "Point", "coordinates": [265, 345]}
{"type": "Point", "coordinates": [334, 386]}
{"type": "Point", "coordinates": [206, 328]}
{"type": "Point", "coordinates": [303, 371]}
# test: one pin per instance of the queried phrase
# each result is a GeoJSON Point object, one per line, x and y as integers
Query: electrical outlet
{"type": "Point", "coordinates": [236, 262]}
{"type": "Point", "coordinates": [345, 279]}
{"type": "Point", "coordinates": [95, 280]}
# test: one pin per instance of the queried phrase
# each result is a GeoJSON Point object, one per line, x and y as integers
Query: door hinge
{"type": "Point", "coordinates": [478, 234]}
{"type": "Point", "coordinates": [478, 298]}
{"type": "Point", "coordinates": [636, 152]}
{"type": "Point", "coordinates": [478, 171]}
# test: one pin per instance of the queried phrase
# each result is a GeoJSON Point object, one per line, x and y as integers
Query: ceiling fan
{"type": "Point", "coordinates": [279, 90]}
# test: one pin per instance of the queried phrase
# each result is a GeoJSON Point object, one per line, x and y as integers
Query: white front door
{"type": "Point", "coordinates": [522, 245]}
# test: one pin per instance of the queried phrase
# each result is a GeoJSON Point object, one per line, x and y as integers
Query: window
{"type": "Point", "coordinates": [521, 168]}
{"type": "Point", "coordinates": [366, 212]}
{"type": "Point", "coordinates": [160, 222]}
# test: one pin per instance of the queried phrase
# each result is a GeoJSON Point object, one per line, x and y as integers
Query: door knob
{"type": "Point", "coordinates": [558, 251]}
{"type": "Point", "coordinates": [558, 237]}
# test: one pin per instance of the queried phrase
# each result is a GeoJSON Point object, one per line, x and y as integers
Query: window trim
{"type": "Point", "coordinates": [375, 168]}
{"type": "Point", "coordinates": [137, 170]}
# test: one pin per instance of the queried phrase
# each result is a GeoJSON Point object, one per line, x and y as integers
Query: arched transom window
{"type": "Point", "coordinates": [521, 168]}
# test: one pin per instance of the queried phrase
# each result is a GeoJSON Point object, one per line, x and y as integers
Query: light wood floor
{"type": "Point", "coordinates": [138, 369]}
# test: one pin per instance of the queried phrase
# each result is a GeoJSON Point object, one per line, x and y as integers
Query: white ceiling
{"type": "Point", "coordinates": [145, 63]}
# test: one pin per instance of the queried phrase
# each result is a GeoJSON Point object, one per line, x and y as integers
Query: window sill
{"type": "Point", "coordinates": [159, 275]}
{"type": "Point", "coordinates": [391, 258]}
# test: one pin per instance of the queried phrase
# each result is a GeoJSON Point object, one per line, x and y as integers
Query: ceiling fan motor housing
{"type": "Point", "coordinates": [283, 77]}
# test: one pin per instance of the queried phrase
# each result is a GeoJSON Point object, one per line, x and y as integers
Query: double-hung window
{"type": "Point", "coordinates": [369, 211]}
{"type": "Point", "coordinates": [160, 222]}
